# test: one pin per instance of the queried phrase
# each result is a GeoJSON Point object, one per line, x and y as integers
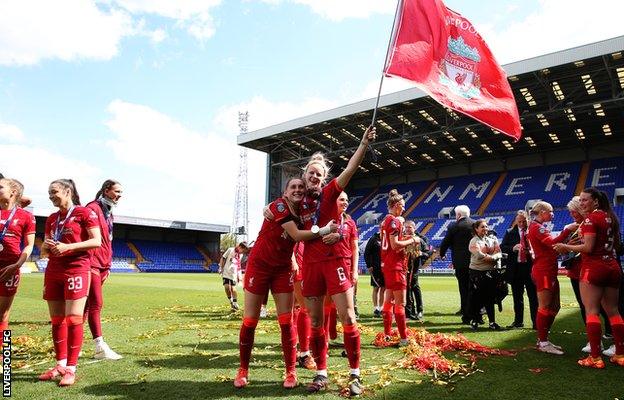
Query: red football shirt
{"type": "Point", "coordinates": [598, 223]}
{"type": "Point", "coordinates": [102, 257]}
{"type": "Point", "coordinates": [22, 224]}
{"type": "Point", "coordinates": [75, 230]}
{"type": "Point", "coordinates": [541, 241]}
{"type": "Point", "coordinates": [391, 260]}
{"type": "Point", "coordinates": [315, 249]}
{"type": "Point", "coordinates": [349, 233]}
{"type": "Point", "coordinates": [274, 246]}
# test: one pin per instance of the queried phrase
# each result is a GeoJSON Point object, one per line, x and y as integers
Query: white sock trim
{"type": "Point", "coordinates": [322, 372]}
{"type": "Point", "coordinates": [355, 371]}
{"type": "Point", "coordinates": [62, 363]}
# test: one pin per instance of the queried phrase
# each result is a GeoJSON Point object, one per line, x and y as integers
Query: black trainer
{"type": "Point", "coordinates": [355, 385]}
{"type": "Point", "coordinates": [319, 383]}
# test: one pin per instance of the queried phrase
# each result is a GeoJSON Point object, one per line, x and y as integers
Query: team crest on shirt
{"type": "Point", "coordinates": [15, 221]}
{"type": "Point", "coordinates": [393, 224]}
{"type": "Point", "coordinates": [542, 229]}
{"type": "Point", "coordinates": [251, 281]}
{"type": "Point", "coordinates": [280, 207]}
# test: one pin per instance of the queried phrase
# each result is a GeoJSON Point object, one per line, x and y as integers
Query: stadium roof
{"type": "Point", "coordinates": [569, 99]}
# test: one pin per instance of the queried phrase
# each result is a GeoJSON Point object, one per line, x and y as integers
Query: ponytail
{"type": "Point", "coordinates": [109, 183]}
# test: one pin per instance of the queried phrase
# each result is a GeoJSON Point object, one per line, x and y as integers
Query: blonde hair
{"type": "Point", "coordinates": [16, 185]}
{"type": "Point", "coordinates": [319, 159]}
{"type": "Point", "coordinates": [539, 207]}
{"type": "Point", "coordinates": [393, 197]}
{"type": "Point", "coordinates": [575, 204]}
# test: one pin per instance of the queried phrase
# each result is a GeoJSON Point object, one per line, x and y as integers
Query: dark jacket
{"type": "Point", "coordinates": [425, 253]}
{"type": "Point", "coordinates": [457, 239]}
{"type": "Point", "coordinates": [512, 238]}
{"type": "Point", "coordinates": [372, 253]}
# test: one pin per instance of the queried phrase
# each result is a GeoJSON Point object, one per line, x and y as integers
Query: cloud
{"type": "Point", "coordinates": [343, 9]}
{"type": "Point", "coordinates": [174, 171]}
{"type": "Point", "coordinates": [11, 133]}
{"type": "Point", "coordinates": [44, 165]}
{"type": "Point", "coordinates": [264, 112]}
{"type": "Point", "coordinates": [192, 15]}
{"type": "Point", "coordinates": [554, 26]}
{"type": "Point", "coordinates": [31, 31]}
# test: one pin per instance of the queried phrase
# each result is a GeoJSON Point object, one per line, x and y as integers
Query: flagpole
{"type": "Point", "coordinates": [396, 13]}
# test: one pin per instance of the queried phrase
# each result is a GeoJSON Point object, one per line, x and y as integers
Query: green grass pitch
{"type": "Point", "coordinates": [179, 341]}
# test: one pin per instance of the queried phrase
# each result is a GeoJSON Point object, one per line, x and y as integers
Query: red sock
{"type": "Point", "coordinates": [4, 326]}
{"type": "Point", "coordinates": [352, 345]}
{"type": "Point", "coordinates": [59, 336]}
{"type": "Point", "coordinates": [296, 311]}
{"type": "Point", "coordinates": [75, 335]}
{"type": "Point", "coordinates": [318, 345]}
{"type": "Point", "coordinates": [399, 315]}
{"type": "Point", "coordinates": [594, 331]}
{"type": "Point", "coordinates": [303, 330]}
{"type": "Point", "coordinates": [93, 309]}
{"type": "Point", "coordinates": [333, 313]}
{"type": "Point", "coordinates": [326, 313]}
{"type": "Point", "coordinates": [386, 312]}
{"type": "Point", "coordinates": [246, 340]}
{"type": "Point", "coordinates": [289, 345]}
{"type": "Point", "coordinates": [541, 322]}
{"type": "Point", "coordinates": [617, 326]}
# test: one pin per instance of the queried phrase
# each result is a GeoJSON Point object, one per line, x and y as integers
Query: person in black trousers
{"type": "Point", "coordinates": [416, 256]}
{"type": "Point", "coordinates": [457, 239]}
{"type": "Point", "coordinates": [372, 257]}
{"type": "Point", "coordinates": [519, 262]}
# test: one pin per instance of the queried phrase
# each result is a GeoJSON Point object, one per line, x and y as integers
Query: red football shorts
{"type": "Point", "coordinates": [395, 279]}
{"type": "Point", "coordinates": [260, 278]}
{"type": "Point", "coordinates": [545, 280]}
{"type": "Point", "coordinates": [606, 275]}
{"type": "Point", "coordinates": [8, 288]}
{"type": "Point", "coordinates": [104, 273]}
{"type": "Point", "coordinates": [327, 277]}
{"type": "Point", "coordinates": [66, 285]}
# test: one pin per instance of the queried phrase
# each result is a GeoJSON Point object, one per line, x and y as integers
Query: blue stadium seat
{"type": "Point", "coordinates": [450, 192]}
{"type": "Point", "coordinates": [606, 174]}
{"type": "Point", "coordinates": [169, 257]}
{"type": "Point", "coordinates": [554, 184]}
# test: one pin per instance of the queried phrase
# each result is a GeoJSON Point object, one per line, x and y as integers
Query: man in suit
{"type": "Point", "coordinates": [519, 263]}
{"type": "Point", "coordinates": [457, 239]}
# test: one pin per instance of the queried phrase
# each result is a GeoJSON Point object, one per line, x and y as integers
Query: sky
{"type": "Point", "coordinates": [147, 92]}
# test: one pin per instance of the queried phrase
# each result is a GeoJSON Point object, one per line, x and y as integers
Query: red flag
{"type": "Point", "coordinates": [445, 56]}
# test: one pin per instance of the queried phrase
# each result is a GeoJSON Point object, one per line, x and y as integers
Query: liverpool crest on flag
{"type": "Point", "coordinates": [444, 55]}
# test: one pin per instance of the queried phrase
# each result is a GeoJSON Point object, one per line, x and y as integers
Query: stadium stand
{"type": "Point", "coordinates": [169, 257]}
{"type": "Point", "coordinates": [554, 184]}
{"type": "Point", "coordinates": [607, 175]}
{"type": "Point", "coordinates": [375, 208]}
{"type": "Point", "coordinates": [121, 249]}
{"type": "Point", "coordinates": [449, 192]}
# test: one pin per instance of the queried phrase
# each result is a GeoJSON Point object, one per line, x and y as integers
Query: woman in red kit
{"type": "Point", "coordinates": [348, 248]}
{"type": "Point", "coordinates": [325, 270]}
{"type": "Point", "coordinates": [544, 272]}
{"type": "Point", "coordinates": [269, 268]}
{"type": "Point", "coordinates": [600, 275]}
{"type": "Point", "coordinates": [393, 265]}
{"type": "Point", "coordinates": [17, 228]}
{"type": "Point", "coordinates": [69, 235]}
{"type": "Point", "coordinates": [101, 259]}
{"type": "Point", "coordinates": [300, 312]}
